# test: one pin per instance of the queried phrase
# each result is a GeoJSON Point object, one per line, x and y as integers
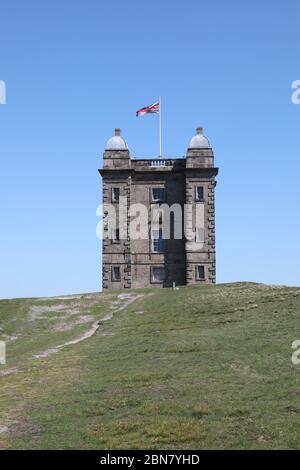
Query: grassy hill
{"type": "Point", "coordinates": [199, 368]}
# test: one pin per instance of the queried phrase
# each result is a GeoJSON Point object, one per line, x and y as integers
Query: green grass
{"type": "Point", "coordinates": [205, 367]}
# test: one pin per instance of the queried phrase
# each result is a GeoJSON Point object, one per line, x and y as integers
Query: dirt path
{"type": "Point", "coordinates": [124, 299]}
{"type": "Point", "coordinates": [122, 302]}
{"type": "Point", "coordinates": [116, 304]}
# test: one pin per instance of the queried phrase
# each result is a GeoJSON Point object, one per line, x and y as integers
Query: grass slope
{"type": "Point", "coordinates": [199, 368]}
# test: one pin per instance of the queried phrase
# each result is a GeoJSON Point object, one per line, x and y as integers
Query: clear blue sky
{"type": "Point", "coordinates": [77, 69]}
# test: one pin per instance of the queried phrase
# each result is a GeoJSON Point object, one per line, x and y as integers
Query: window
{"type": "Point", "coordinates": [158, 194]}
{"type": "Point", "coordinates": [116, 235]}
{"type": "Point", "coordinates": [158, 243]}
{"type": "Point", "coordinates": [115, 273]}
{"type": "Point", "coordinates": [199, 193]}
{"type": "Point", "coordinates": [200, 273]}
{"type": "Point", "coordinates": [158, 274]}
{"type": "Point", "coordinates": [115, 194]}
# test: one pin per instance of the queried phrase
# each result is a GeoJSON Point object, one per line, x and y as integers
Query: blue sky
{"type": "Point", "coordinates": [75, 70]}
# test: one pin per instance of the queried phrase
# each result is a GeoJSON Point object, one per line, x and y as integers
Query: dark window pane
{"type": "Point", "coordinates": [158, 194]}
{"type": "Point", "coordinates": [116, 273]}
{"type": "Point", "coordinates": [158, 274]}
{"type": "Point", "coordinates": [116, 194]}
{"type": "Point", "coordinates": [200, 272]}
{"type": "Point", "coordinates": [200, 193]}
{"type": "Point", "coordinates": [158, 243]}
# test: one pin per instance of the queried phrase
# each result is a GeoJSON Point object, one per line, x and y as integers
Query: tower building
{"type": "Point", "coordinates": [164, 217]}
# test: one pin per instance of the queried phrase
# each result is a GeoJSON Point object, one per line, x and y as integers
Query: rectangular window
{"type": "Point", "coordinates": [158, 243]}
{"type": "Point", "coordinates": [115, 194]}
{"type": "Point", "coordinates": [199, 193]}
{"type": "Point", "coordinates": [158, 194]}
{"type": "Point", "coordinates": [115, 273]}
{"type": "Point", "coordinates": [200, 273]}
{"type": "Point", "coordinates": [116, 235]}
{"type": "Point", "coordinates": [158, 274]}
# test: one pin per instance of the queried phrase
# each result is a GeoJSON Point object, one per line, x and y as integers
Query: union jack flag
{"type": "Point", "coordinates": [153, 108]}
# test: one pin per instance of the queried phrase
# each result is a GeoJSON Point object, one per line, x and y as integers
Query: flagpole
{"type": "Point", "coordinates": [160, 152]}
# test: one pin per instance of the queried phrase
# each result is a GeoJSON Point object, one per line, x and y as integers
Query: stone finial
{"type": "Point", "coordinates": [116, 142]}
{"type": "Point", "coordinates": [199, 141]}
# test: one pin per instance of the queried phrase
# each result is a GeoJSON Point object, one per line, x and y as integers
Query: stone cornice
{"type": "Point", "coordinates": [150, 170]}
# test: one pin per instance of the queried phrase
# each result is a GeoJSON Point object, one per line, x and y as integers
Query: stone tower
{"type": "Point", "coordinates": [187, 254]}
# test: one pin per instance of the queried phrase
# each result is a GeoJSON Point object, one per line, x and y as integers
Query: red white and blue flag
{"type": "Point", "coordinates": [153, 108]}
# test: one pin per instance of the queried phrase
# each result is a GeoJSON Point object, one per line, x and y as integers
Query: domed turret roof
{"type": "Point", "coordinates": [199, 141]}
{"type": "Point", "coordinates": [116, 142]}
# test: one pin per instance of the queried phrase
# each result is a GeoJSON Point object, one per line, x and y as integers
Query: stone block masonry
{"type": "Point", "coordinates": [150, 261]}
